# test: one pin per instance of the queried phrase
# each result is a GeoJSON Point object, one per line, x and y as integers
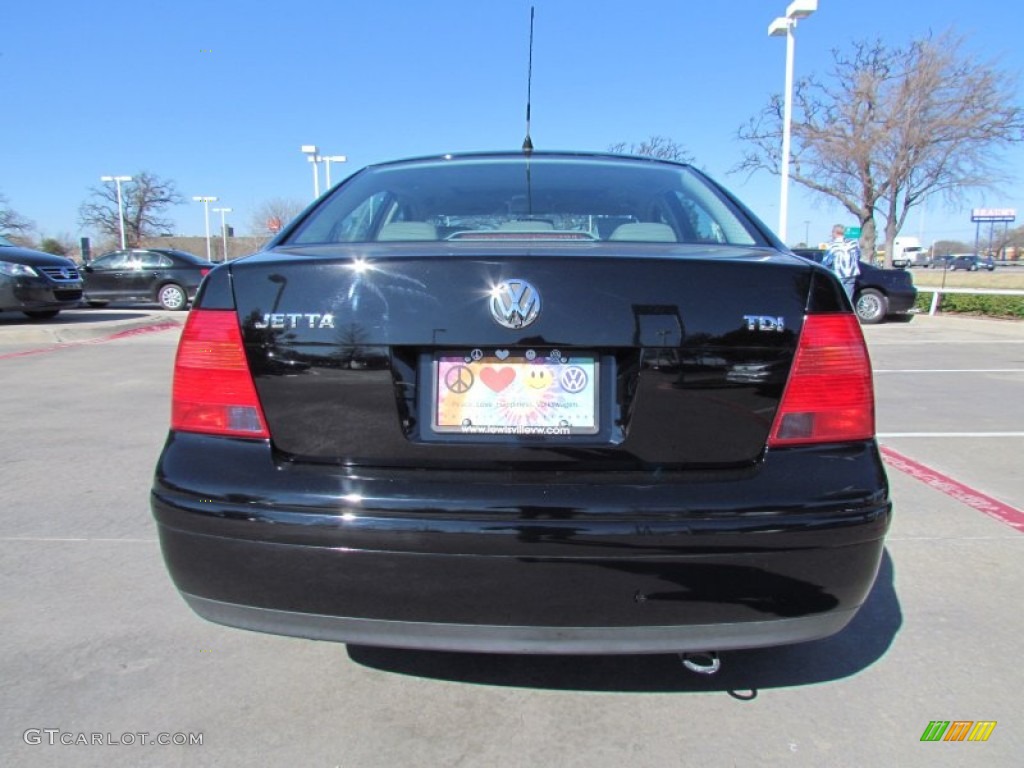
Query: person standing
{"type": "Point", "coordinates": [842, 258]}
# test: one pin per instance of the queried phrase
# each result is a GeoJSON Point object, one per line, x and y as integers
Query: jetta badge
{"type": "Point", "coordinates": [515, 303]}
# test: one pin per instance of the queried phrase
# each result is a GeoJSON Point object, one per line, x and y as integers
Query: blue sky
{"type": "Point", "coordinates": [219, 96]}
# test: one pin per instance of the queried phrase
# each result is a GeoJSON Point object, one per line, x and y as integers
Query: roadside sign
{"type": "Point", "coordinates": [852, 233]}
{"type": "Point", "coordinates": [993, 214]}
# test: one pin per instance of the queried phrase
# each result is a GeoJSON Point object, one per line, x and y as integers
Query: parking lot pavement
{"type": "Point", "coordinates": [950, 394]}
{"type": "Point", "coordinates": [95, 639]}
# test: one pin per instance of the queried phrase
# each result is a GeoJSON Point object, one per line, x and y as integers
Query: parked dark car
{"type": "Point", "coordinates": [37, 283]}
{"type": "Point", "coordinates": [167, 277]}
{"type": "Point", "coordinates": [879, 294]}
{"type": "Point", "coordinates": [451, 407]}
{"type": "Point", "coordinates": [971, 262]}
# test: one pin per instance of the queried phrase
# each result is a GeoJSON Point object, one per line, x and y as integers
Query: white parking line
{"type": "Point", "coordinates": [45, 539]}
{"type": "Point", "coordinates": [881, 435]}
{"type": "Point", "coordinates": [949, 370]}
{"type": "Point", "coordinates": [943, 342]}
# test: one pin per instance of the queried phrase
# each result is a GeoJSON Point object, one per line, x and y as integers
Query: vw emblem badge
{"type": "Point", "coordinates": [515, 303]}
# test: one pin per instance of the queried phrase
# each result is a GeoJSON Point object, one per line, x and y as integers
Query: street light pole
{"type": "Point", "coordinates": [120, 205]}
{"type": "Point", "coordinates": [311, 150]}
{"type": "Point", "coordinates": [223, 228]}
{"type": "Point", "coordinates": [784, 25]}
{"type": "Point", "coordinates": [206, 208]}
{"type": "Point", "coordinates": [328, 159]}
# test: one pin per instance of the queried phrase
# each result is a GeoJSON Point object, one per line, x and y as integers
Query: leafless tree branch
{"type": "Point", "coordinates": [11, 221]}
{"type": "Point", "coordinates": [144, 199]}
{"type": "Point", "coordinates": [660, 147]}
{"type": "Point", "coordinates": [892, 127]}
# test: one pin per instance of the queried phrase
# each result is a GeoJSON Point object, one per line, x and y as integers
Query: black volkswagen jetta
{"type": "Point", "coordinates": [164, 276]}
{"type": "Point", "coordinates": [547, 403]}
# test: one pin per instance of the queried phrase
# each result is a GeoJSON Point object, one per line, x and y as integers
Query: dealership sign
{"type": "Point", "coordinates": [993, 214]}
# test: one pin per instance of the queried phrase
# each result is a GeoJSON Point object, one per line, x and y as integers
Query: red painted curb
{"type": "Point", "coordinates": [162, 326]}
{"type": "Point", "coordinates": [975, 499]}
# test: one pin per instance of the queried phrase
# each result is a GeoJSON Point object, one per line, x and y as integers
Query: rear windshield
{"type": "Point", "coordinates": [515, 198]}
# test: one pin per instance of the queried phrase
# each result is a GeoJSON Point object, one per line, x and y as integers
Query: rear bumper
{"type": "Point", "coordinates": [484, 638]}
{"type": "Point", "coordinates": [527, 562]}
{"type": "Point", "coordinates": [901, 302]}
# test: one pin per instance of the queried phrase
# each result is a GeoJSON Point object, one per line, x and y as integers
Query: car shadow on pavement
{"type": "Point", "coordinates": [743, 673]}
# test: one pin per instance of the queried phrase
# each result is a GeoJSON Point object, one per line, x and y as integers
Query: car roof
{"type": "Point", "coordinates": [535, 156]}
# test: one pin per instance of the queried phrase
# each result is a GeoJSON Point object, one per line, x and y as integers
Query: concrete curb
{"type": "Point", "coordinates": [59, 331]}
{"type": "Point", "coordinates": [83, 333]}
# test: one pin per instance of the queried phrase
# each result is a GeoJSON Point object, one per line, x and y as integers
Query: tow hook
{"type": "Point", "coordinates": [703, 662]}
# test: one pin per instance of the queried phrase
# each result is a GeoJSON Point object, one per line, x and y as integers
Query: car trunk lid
{"type": "Point", "coordinates": [691, 347]}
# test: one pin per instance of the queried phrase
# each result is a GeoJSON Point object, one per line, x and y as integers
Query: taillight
{"type": "Point", "coordinates": [213, 389]}
{"type": "Point", "coordinates": [829, 396]}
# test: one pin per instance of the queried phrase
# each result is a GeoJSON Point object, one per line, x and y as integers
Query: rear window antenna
{"type": "Point", "coordinates": [527, 142]}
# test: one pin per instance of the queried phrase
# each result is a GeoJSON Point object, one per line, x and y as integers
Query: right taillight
{"type": "Point", "coordinates": [829, 396]}
{"type": "Point", "coordinates": [213, 388]}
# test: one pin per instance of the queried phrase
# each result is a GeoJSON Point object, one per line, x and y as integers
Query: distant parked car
{"type": "Point", "coordinates": [971, 262]}
{"type": "Point", "coordinates": [879, 294]}
{"type": "Point", "coordinates": [36, 283]}
{"type": "Point", "coordinates": [167, 277]}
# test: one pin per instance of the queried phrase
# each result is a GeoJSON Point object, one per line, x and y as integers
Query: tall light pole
{"type": "Point", "coordinates": [328, 159]}
{"type": "Point", "coordinates": [120, 205]}
{"type": "Point", "coordinates": [784, 25]}
{"type": "Point", "coordinates": [223, 228]}
{"type": "Point", "coordinates": [310, 150]}
{"type": "Point", "coordinates": [206, 207]}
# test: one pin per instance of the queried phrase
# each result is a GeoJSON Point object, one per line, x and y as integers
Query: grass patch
{"type": "Point", "coordinates": [1007, 278]}
{"type": "Point", "coordinates": [966, 303]}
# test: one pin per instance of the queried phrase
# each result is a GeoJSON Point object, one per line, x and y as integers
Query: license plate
{"type": "Point", "coordinates": [516, 392]}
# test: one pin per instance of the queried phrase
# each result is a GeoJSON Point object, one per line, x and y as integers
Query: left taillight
{"type": "Point", "coordinates": [213, 389]}
{"type": "Point", "coordinates": [830, 394]}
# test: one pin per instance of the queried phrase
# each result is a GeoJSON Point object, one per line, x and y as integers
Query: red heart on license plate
{"type": "Point", "coordinates": [497, 379]}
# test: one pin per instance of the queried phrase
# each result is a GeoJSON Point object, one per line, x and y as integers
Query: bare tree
{"type": "Point", "coordinates": [946, 247]}
{"type": "Point", "coordinates": [659, 147]}
{"type": "Point", "coordinates": [54, 246]}
{"type": "Point", "coordinates": [144, 198]}
{"type": "Point", "coordinates": [271, 215]}
{"type": "Point", "coordinates": [1001, 239]}
{"type": "Point", "coordinates": [891, 127]}
{"type": "Point", "coordinates": [11, 220]}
